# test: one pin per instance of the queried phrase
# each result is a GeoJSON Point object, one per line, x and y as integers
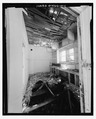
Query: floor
{"type": "Point", "coordinates": [60, 105]}
{"type": "Point", "coordinates": [51, 97]}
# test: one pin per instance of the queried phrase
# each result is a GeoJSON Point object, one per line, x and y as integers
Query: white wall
{"type": "Point", "coordinates": [70, 35]}
{"type": "Point", "coordinates": [25, 48]}
{"type": "Point", "coordinates": [39, 59]}
{"type": "Point", "coordinates": [85, 51]}
{"type": "Point", "coordinates": [16, 38]}
{"type": "Point", "coordinates": [66, 41]}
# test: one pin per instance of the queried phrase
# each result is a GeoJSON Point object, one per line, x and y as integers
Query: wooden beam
{"type": "Point", "coordinates": [34, 107]}
{"type": "Point", "coordinates": [52, 36]}
{"type": "Point", "coordinates": [40, 36]}
{"type": "Point", "coordinates": [43, 16]}
{"type": "Point", "coordinates": [38, 33]}
{"type": "Point", "coordinates": [69, 11]}
{"type": "Point", "coordinates": [27, 20]}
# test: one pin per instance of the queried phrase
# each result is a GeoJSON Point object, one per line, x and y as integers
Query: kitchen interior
{"type": "Point", "coordinates": [47, 51]}
{"type": "Point", "coordinates": [52, 35]}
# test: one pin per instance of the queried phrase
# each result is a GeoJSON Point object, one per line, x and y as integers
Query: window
{"type": "Point", "coordinates": [71, 54]}
{"type": "Point", "coordinates": [63, 56]}
{"type": "Point", "coordinates": [67, 55]}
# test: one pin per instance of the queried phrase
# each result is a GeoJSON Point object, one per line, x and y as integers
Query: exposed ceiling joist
{"type": "Point", "coordinates": [44, 25]}
{"type": "Point", "coordinates": [41, 26]}
{"type": "Point", "coordinates": [47, 20]}
{"type": "Point", "coordinates": [40, 34]}
{"type": "Point", "coordinates": [69, 11]}
{"type": "Point", "coordinates": [35, 27]}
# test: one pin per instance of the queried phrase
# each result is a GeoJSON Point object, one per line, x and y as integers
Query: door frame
{"type": "Point", "coordinates": [84, 66]}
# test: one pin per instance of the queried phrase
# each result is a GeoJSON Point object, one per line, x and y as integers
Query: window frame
{"type": "Point", "coordinates": [68, 59]}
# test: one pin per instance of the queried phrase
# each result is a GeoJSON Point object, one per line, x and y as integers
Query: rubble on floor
{"type": "Point", "coordinates": [48, 77]}
{"type": "Point", "coordinates": [47, 93]}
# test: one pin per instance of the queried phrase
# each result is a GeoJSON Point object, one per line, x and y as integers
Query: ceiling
{"type": "Point", "coordinates": [48, 24]}
{"type": "Point", "coordinates": [79, 9]}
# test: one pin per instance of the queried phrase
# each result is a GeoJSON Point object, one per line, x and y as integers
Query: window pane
{"type": "Point", "coordinates": [63, 56]}
{"type": "Point", "coordinates": [71, 51]}
{"type": "Point", "coordinates": [63, 59]}
{"type": "Point", "coordinates": [71, 55]}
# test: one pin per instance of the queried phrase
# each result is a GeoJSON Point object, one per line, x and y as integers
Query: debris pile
{"type": "Point", "coordinates": [48, 77]}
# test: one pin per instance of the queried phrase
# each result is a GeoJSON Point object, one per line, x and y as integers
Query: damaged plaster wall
{"type": "Point", "coordinates": [16, 38]}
